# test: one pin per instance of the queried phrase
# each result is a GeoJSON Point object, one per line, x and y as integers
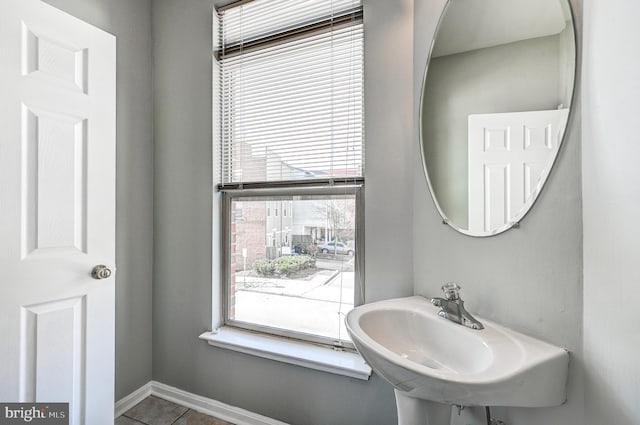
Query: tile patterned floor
{"type": "Point", "coordinates": [156, 411]}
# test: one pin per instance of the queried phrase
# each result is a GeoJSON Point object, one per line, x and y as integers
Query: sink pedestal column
{"type": "Point", "coordinates": [414, 411]}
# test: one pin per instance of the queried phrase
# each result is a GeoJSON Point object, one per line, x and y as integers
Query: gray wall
{"type": "Point", "coordinates": [611, 178]}
{"type": "Point", "coordinates": [520, 76]}
{"type": "Point", "coordinates": [183, 224]}
{"type": "Point", "coordinates": [389, 138]}
{"type": "Point", "coordinates": [529, 278]}
{"type": "Point", "coordinates": [130, 22]}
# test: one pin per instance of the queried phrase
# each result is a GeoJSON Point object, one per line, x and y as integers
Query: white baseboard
{"type": "Point", "coordinates": [126, 403]}
{"type": "Point", "coordinates": [201, 404]}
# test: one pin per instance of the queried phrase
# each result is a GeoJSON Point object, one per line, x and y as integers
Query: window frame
{"type": "Point", "coordinates": [230, 188]}
{"type": "Point", "coordinates": [348, 186]}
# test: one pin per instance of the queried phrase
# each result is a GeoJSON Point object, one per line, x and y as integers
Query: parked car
{"type": "Point", "coordinates": [336, 248]}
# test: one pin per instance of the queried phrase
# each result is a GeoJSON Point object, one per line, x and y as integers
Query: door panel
{"type": "Point", "coordinates": [52, 350]}
{"type": "Point", "coordinates": [54, 180]}
{"type": "Point", "coordinates": [522, 145]}
{"type": "Point", "coordinates": [496, 196]}
{"type": "Point", "coordinates": [57, 210]}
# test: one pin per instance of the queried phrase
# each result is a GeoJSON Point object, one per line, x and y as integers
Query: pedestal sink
{"type": "Point", "coordinates": [434, 363]}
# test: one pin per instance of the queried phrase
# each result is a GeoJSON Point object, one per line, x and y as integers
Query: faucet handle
{"type": "Point", "coordinates": [451, 291]}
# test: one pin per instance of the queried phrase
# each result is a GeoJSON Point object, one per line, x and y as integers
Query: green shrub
{"type": "Point", "coordinates": [263, 267]}
{"type": "Point", "coordinates": [284, 266]}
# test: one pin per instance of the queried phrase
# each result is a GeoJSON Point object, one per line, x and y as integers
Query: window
{"type": "Point", "coordinates": [290, 80]}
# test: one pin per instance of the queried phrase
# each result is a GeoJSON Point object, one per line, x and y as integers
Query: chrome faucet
{"type": "Point", "coordinates": [452, 307]}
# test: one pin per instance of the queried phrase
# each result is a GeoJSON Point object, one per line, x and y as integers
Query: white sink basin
{"type": "Point", "coordinates": [428, 357]}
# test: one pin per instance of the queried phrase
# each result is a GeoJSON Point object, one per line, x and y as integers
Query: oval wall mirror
{"type": "Point", "coordinates": [495, 104]}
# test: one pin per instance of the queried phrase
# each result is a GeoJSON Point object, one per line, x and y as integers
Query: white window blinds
{"type": "Point", "coordinates": [291, 90]}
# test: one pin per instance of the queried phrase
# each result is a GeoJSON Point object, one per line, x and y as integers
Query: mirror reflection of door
{"type": "Point", "coordinates": [509, 154]}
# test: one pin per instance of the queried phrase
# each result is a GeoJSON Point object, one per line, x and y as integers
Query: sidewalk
{"type": "Point", "coordinates": [316, 304]}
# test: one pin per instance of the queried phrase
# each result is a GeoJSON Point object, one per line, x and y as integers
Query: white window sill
{"type": "Point", "coordinates": [289, 351]}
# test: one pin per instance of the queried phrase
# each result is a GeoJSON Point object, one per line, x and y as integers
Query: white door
{"type": "Point", "coordinates": [57, 210]}
{"type": "Point", "coordinates": [510, 155]}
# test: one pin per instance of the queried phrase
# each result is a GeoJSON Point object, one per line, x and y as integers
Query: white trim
{"type": "Point", "coordinates": [198, 403]}
{"type": "Point", "coordinates": [127, 402]}
{"type": "Point", "coordinates": [284, 350]}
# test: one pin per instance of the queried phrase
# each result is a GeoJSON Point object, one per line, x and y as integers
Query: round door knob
{"type": "Point", "coordinates": [100, 272]}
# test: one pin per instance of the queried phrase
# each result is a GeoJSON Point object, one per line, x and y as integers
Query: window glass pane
{"type": "Point", "coordinates": [293, 272]}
